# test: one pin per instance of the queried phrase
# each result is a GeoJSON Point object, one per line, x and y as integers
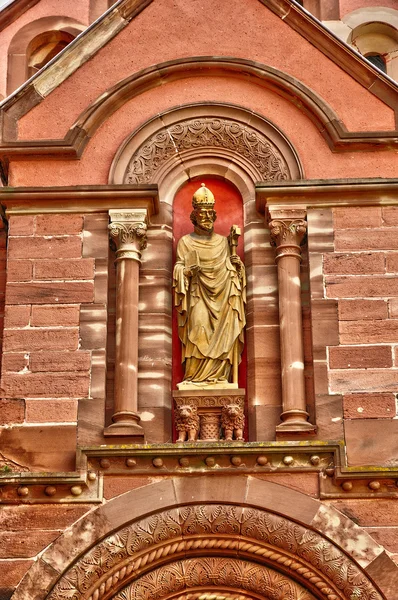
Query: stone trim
{"type": "Point", "coordinates": [79, 199]}
{"type": "Point", "coordinates": [72, 146]}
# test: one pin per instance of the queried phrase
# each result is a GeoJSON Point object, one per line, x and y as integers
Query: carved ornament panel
{"type": "Point", "coordinates": [303, 556]}
{"type": "Point", "coordinates": [207, 132]}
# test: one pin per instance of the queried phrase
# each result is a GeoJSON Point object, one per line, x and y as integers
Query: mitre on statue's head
{"type": "Point", "coordinates": [203, 197]}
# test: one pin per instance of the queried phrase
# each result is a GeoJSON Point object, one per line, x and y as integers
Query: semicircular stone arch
{"type": "Point", "coordinates": [180, 137]}
{"type": "Point", "coordinates": [279, 534]}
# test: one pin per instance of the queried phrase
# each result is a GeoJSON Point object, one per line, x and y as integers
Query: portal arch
{"type": "Point", "coordinates": [264, 531]}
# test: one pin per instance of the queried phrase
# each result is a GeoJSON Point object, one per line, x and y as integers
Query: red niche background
{"type": "Point", "coordinates": [229, 209]}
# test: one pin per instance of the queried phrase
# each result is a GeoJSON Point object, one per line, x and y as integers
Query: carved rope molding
{"type": "Point", "coordinates": [210, 572]}
{"type": "Point", "coordinates": [300, 553]}
{"type": "Point", "coordinates": [207, 132]}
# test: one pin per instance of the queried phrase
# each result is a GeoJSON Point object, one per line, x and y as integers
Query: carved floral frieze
{"type": "Point", "coordinates": [214, 573]}
{"type": "Point", "coordinates": [193, 531]}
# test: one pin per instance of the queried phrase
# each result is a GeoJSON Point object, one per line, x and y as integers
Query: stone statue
{"type": "Point", "coordinates": [209, 289]}
{"type": "Point", "coordinates": [187, 423]}
{"type": "Point", "coordinates": [232, 422]}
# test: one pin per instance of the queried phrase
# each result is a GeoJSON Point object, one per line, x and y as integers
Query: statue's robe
{"type": "Point", "coordinates": [210, 307]}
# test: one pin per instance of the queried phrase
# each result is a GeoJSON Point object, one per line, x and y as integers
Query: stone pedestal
{"type": "Point", "coordinates": [210, 414]}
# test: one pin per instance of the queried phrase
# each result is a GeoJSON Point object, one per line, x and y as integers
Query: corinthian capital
{"type": "Point", "coordinates": [288, 229]}
{"type": "Point", "coordinates": [128, 230]}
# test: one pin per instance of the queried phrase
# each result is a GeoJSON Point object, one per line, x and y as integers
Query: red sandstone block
{"type": "Point", "coordinates": [40, 516]}
{"type": "Point", "coordinates": [41, 247]}
{"type": "Point", "coordinates": [12, 571]}
{"type": "Point", "coordinates": [48, 293]}
{"type": "Point", "coordinates": [15, 545]}
{"type": "Point", "coordinates": [360, 357]}
{"type": "Point", "coordinates": [59, 361]}
{"type": "Point", "coordinates": [46, 385]}
{"type": "Point", "coordinates": [369, 239]}
{"type": "Point", "coordinates": [15, 361]}
{"type": "Point", "coordinates": [19, 270]}
{"type": "Point", "coordinates": [64, 269]}
{"type": "Point", "coordinates": [387, 537]}
{"type": "Point", "coordinates": [357, 216]}
{"type": "Point", "coordinates": [361, 287]}
{"type": "Point", "coordinates": [368, 332]}
{"type": "Point", "coordinates": [16, 316]}
{"type": "Point", "coordinates": [380, 512]}
{"type": "Point", "coordinates": [370, 380]}
{"type": "Point", "coordinates": [26, 340]}
{"type": "Point", "coordinates": [354, 264]}
{"type": "Point", "coordinates": [393, 307]}
{"type": "Point", "coordinates": [358, 310]}
{"type": "Point", "coordinates": [392, 262]}
{"type": "Point", "coordinates": [21, 225]}
{"type": "Point", "coordinates": [47, 316]}
{"type": "Point", "coordinates": [114, 486]}
{"type": "Point", "coordinates": [58, 224]}
{"type": "Point", "coordinates": [371, 406]}
{"type": "Point", "coordinates": [51, 411]}
{"type": "Point", "coordinates": [12, 410]}
{"type": "Point", "coordinates": [390, 215]}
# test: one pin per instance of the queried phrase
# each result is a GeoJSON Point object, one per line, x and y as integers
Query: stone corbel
{"type": "Point", "coordinates": [288, 228]}
{"type": "Point", "coordinates": [128, 230]}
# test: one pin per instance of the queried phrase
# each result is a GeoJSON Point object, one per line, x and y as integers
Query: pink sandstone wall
{"type": "Point", "coordinates": [140, 45]}
{"type": "Point", "coordinates": [93, 167]}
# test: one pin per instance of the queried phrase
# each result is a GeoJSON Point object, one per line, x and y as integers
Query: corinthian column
{"type": "Point", "coordinates": [128, 230]}
{"type": "Point", "coordinates": [288, 228]}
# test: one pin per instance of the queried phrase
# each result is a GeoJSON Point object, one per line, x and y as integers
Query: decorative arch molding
{"type": "Point", "coordinates": [178, 138]}
{"type": "Point", "coordinates": [73, 144]}
{"type": "Point", "coordinates": [17, 73]}
{"type": "Point", "coordinates": [213, 575]}
{"type": "Point", "coordinates": [266, 525]}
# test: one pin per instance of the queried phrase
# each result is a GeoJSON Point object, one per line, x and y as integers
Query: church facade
{"type": "Point", "coordinates": [130, 468]}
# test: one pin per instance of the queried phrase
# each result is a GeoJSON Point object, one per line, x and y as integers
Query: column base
{"type": "Point", "coordinates": [125, 424]}
{"type": "Point", "coordinates": [295, 421]}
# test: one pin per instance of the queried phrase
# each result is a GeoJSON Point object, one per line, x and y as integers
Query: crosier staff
{"type": "Point", "coordinates": [233, 240]}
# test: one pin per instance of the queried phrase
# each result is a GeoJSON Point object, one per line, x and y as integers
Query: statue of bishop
{"type": "Point", "coordinates": [210, 294]}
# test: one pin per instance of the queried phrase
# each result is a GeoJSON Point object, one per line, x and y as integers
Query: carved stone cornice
{"type": "Point", "coordinates": [128, 230]}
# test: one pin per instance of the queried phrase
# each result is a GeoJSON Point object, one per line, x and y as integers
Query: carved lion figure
{"type": "Point", "coordinates": [232, 422]}
{"type": "Point", "coordinates": [187, 423]}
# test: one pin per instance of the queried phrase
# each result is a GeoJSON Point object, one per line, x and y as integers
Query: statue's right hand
{"type": "Point", "coordinates": [191, 271]}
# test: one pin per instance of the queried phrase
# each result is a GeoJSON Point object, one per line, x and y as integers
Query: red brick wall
{"type": "Point", "coordinates": [362, 274]}
{"type": "Point", "coordinates": [48, 336]}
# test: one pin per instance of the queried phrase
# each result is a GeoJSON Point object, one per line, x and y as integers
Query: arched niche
{"type": "Point", "coordinates": [27, 40]}
{"type": "Point", "coordinates": [224, 536]}
{"type": "Point", "coordinates": [234, 144]}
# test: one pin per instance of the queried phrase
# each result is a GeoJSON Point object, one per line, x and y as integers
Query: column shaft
{"type": "Point", "coordinates": [129, 233]}
{"type": "Point", "coordinates": [287, 233]}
